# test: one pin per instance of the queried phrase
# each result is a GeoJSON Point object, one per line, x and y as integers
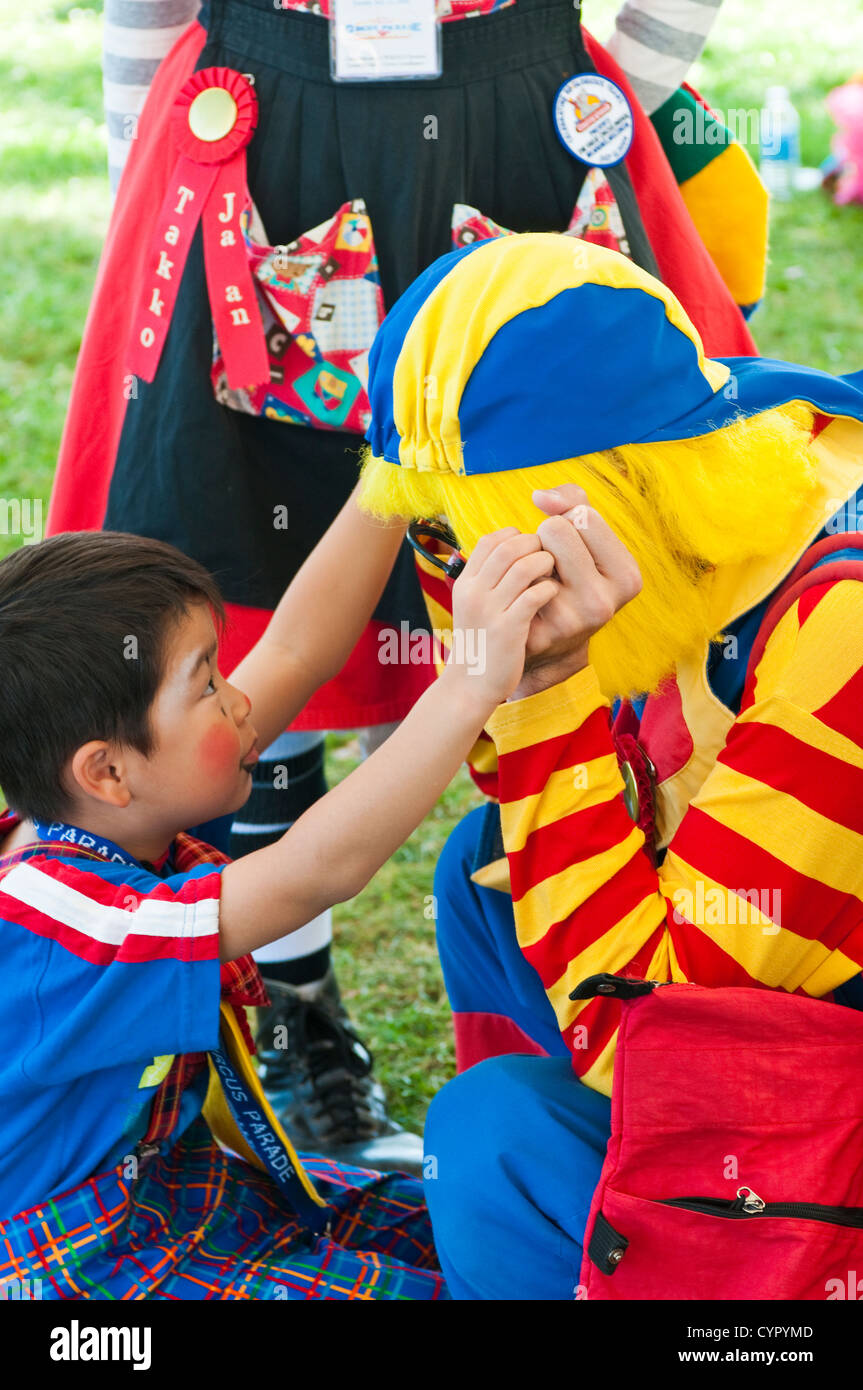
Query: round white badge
{"type": "Point", "coordinates": [593, 119]}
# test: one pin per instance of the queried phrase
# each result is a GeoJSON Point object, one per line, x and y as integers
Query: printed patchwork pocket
{"type": "Point", "coordinates": [595, 218]}
{"type": "Point", "coordinates": [321, 305]}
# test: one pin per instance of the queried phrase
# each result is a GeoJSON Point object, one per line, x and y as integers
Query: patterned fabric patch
{"type": "Point", "coordinates": [289, 275]}
{"type": "Point", "coordinates": [470, 225]}
{"type": "Point", "coordinates": [345, 316]}
{"type": "Point", "coordinates": [321, 305]}
{"type": "Point", "coordinates": [328, 392]}
{"type": "Point", "coordinates": [596, 216]}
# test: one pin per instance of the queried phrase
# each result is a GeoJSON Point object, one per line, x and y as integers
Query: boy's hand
{"type": "Point", "coordinates": [496, 597]}
{"type": "Point", "coordinates": [597, 574]}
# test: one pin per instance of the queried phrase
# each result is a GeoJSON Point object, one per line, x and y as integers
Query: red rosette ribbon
{"type": "Point", "coordinates": [213, 119]}
{"type": "Point", "coordinates": [215, 151]}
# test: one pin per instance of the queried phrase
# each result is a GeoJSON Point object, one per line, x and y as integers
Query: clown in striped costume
{"type": "Point", "coordinates": [709, 831]}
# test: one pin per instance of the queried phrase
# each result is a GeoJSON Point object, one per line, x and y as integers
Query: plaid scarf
{"type": "Point", "coordinates": [241, 983]}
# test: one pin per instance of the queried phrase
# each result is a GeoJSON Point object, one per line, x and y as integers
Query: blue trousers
{"type": "Point", "coordinates": [514, 1145]}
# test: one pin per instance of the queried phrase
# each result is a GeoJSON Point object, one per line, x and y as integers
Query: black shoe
{"type": "Point", "coordinates": [317, 1075]}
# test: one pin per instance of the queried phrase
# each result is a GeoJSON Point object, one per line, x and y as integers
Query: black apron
{"type": "Point", "coordinates": [208, 478]}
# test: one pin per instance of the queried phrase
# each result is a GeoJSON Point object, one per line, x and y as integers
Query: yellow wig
{"type": "Point", "coordinates": [682, 508]}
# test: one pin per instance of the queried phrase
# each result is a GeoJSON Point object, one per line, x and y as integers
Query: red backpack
{"type": "Point", "coordinates": [735, 1164]}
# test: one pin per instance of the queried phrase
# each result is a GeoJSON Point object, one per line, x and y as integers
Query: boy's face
{"type": "Point", "coordinates": [205, 742]}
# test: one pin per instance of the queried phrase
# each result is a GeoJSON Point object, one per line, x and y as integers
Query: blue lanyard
{"type": "Point", "coordinates": [263, 1140]}
{"type": "Point", "coordinates": [59, 833]}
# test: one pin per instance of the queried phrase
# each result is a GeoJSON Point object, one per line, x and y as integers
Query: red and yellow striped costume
{"type": "Point", "coordinates": [769, 803]}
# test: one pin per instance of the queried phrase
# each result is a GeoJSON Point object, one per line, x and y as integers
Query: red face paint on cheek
{"type": "Point", "coordinates": [219, 751]}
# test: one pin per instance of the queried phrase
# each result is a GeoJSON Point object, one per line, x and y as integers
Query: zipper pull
{"type": "Point", "coordinates": [750, 1201]}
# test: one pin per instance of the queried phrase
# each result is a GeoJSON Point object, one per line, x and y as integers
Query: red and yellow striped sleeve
{"type": "Point", "coordinates": [437, 592]}
{"type": "Point", "coordinates": [763, 882]}
{"type": "Point", "coordinates": [585, 897]}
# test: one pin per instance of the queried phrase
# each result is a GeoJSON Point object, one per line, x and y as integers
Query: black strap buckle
{"type": "Point", "coordinates": [607, 1246]}
{"type": "Point", "coordinates": [614, 987]}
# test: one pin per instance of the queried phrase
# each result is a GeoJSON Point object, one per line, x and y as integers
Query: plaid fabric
{"type": "Point", "coordinates": [202, 1224]}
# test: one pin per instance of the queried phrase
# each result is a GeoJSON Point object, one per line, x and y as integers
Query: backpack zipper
{"type": "Point", "coordinates": [748, 1203]}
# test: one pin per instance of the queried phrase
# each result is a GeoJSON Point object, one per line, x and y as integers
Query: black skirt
{"type": "Point", "coordinates": [208, 478]}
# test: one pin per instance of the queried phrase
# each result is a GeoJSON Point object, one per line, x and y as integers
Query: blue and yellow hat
{"type": "Point", "coordinates": [534, 348]}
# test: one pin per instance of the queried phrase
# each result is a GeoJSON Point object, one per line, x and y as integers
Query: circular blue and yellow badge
{"type": "Point", "coordinates": [593, 119]}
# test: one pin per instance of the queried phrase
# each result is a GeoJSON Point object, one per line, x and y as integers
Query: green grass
{"type": "Point", "coordinates": [54, 206]}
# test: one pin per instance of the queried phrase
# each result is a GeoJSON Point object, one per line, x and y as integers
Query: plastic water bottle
{"type": "Point", "coordinates": [780, 143]}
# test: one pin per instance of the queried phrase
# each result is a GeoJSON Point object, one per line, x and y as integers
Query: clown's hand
{"type": "Point", "coordinates": [597, 577]}
{"type": "Point", "coordinates": [495, 599]}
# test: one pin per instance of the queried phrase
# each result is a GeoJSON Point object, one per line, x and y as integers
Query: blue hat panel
{"type": "Point", "coordinates": [594, 367]}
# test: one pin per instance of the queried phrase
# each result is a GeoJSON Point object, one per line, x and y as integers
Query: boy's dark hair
{"type": "Point", "coordinates": [84, 620]}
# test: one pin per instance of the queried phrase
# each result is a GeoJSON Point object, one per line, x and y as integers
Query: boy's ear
{"type": "Point", "coordinates": [98, 770]}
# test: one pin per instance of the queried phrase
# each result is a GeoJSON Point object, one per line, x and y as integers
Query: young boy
{"type": "Point", "coordinates": [117, 731]}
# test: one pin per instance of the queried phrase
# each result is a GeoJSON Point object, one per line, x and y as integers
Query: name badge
{"type": "Point", "coordinates": [384, 40]}
{"type": "Point", "coordinates": [593, 119]}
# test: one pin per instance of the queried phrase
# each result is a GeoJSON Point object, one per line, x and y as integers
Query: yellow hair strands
{"type": "Point", "coordinates": [681, 508]}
